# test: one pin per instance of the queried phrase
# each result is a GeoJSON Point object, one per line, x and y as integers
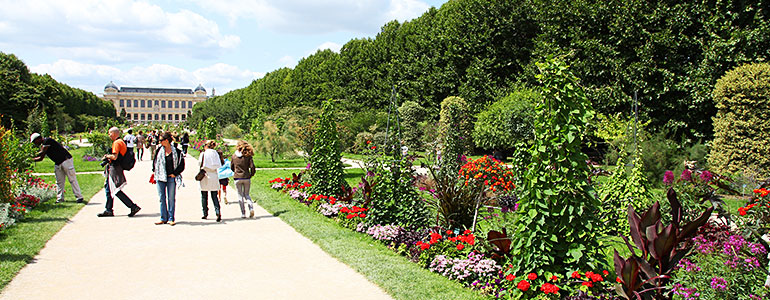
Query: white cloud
{"type": "Point", "coordinates": [307, 16]}
{"type": "Point", "coordinates": [94, 77]}
{"type": "Point", "coordinates": [288, 61]}
{"type": "Point", "coordinates": [328, 45]}
{"type": "Point", "coordinates": [118, 30]}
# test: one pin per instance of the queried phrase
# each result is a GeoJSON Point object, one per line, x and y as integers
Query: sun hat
{"type": "Point", "coordinates": [34, 136]}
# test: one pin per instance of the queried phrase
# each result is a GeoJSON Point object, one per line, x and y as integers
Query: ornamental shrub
{"type": "Point", "coordinates": [558, 220]}
{"type": "Point", "coordinates": [507, 122]}
{"type": "Point", "coordinates": [210, 128]}
{"type": "Point", "coordinates": [232, 131]}
{"type": "Point", "coordinates": [627, 186]}
{"type": "Point", "coordinates": [326, 171]}
{"type": "Point", "coordinates": [455, 126]}
{"type": "Point", "coordinates": [411, 115]}
{"type": "Point", "coordinates": [394, 198]}
{"type": "Point", "coordinates": [101, 144]}
{"type": "Point", "coordinates": [5, 165]}
{"type": "Point", "coordinates": [741, 127]}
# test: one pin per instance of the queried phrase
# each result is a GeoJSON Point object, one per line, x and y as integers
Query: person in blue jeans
{"type": "Point", "coordinates": [167, 167]}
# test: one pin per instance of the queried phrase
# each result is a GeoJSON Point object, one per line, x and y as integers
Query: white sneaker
{"type": "Point", "coordinates": [243, 216]}
{"type": "Point", "coordinates": [251, 213]}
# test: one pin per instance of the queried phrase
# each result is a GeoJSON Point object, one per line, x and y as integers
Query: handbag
{"type": "Point", "coordinates": [152, 178]}
{"type": "Point", "coordinates": [201, 173]}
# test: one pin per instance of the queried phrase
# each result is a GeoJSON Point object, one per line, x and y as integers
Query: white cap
{"type": "Point", "coordinates": [34, 136]}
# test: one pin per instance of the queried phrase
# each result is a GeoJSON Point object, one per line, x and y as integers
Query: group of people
{"type": "Point", "coordinates": [168, 163]}
{"type": "Point", "coordinates": [151, 140]}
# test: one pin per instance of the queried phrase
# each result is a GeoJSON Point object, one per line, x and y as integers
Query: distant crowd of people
{"type": "Point", "coordinates": [168, 163]}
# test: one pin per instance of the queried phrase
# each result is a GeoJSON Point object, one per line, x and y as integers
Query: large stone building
{"type": "Point", "coordinates": [145, 105]}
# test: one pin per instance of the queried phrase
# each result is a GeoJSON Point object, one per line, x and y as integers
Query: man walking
{"type": "Point", "coordinates": [130, 141]}
{"type": "Point", "coordinates": [116, 180]}
{"type": "Point", "coordinates": [63, 165]}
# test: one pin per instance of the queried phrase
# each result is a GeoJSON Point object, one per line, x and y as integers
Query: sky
{"type": "Point", "coordinates": [221, 44]}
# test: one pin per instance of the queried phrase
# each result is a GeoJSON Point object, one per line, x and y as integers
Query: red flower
{"type": "Point", "coordinates": [448, 232]}
{"type": "Point", "coordinates": [531, 276]}
{"type": "Point", "coordinates": [374, 147]}
{"type": "Point", "coordinates": [332, 202]}
{"type": "Point", "coordinates": [554, 278]}
{"type": "Point", "coordinates": [460, 246]}
{"type": "Point", "coordinates": [549, 288]}
{"type": "Point", "coordinates": [423, 246]}
{"type": "Point", "coordinates": [467, 231]}
{"type": "Point", "coordinates": [523, 285]}
{"type": "Point", "coordinates": [605, 273]}
{"type": "Point", "coordinates": [362, 215]}
{"type": "Point", "coordinates": [510, 277]}
{"type": "Point", "coordinates": [350, 216]}
{"type": "Point", "coordinates": [576, 274]}
{"type": "Point", "coordinates": [588, 284]}
{"type": "Point", "coordinates": [618, 280]}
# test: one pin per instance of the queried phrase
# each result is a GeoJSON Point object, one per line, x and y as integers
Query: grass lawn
{"type": "Point", "coordinates": [262, 161]}
{"type": "Point", "coordinates": [46, 166]}
{"type": "Point", "coordinates": [395, 274]}
{"type": "Point", "coordinates": [21, 242]}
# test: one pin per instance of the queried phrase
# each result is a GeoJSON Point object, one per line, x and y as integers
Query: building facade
{"type": "Point", "coordinates": [146, 105]}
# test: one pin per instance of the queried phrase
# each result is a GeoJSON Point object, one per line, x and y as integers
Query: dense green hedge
{"type": "Point", "coordinates": [741, 127]}
{"type": "Point", "coordinates": [507, 122]}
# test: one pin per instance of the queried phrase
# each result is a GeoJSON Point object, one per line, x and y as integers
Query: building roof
{"type": "Point", "coordinates": [200, 88]}
{"type": "Point", "coordinates": [111, 85]}
{"type": "Point", "coordinates": [155, 90]}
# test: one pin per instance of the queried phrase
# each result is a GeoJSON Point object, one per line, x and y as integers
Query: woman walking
{"type": "Point", "coordinates": [243, 166]}
{"type": "Point", "coordinates": [167, 167]}
{"type": "Point", "coordinates": [140, 144]}
{"type": "Point", "coordinates": [185, 142]}
{"type": "Point", "coordinates": [210, 184]}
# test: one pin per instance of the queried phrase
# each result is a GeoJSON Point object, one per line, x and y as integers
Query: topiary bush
{"type": "Point", "coordinates": [455, 126]}
{"type": "Point", "coordinates": [558, 226]}
{"type": "Point", "coordinates": [326, 167]}
{"type": "Point", "coordinates": [626, 186]}
{"type": "Point", "coordinates": [507, 122]}
{"type": "Point", "coordinates": [411, 115]}
{"type": "Point", "coordinates": [741, 127]}
{"type": "Point", "coordinates": [5, 165]}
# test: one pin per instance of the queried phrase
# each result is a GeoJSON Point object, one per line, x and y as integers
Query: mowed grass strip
{"type": "Point", "coordinates": [20, 243]}
{"type": "Point", "coordinates": [395, 274]}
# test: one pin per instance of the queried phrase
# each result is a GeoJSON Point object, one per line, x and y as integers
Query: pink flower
{"type": "Point", "coordinates": [668, 178]}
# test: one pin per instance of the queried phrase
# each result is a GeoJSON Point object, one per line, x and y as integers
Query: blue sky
{"type": "Point", "coordinates": [222, 44]}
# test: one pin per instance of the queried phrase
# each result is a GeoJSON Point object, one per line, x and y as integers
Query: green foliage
{"type": "Point", "coordinates": [6, 168]}
{"type": "Point", "coordinates": [326, 171]}
{"type": "Point", "coordinates": [411, 114]}
{"type": "Point", "coordinates": [102, 144]}
{"type": "Point", "coordinates": [558, 222]}
{"type": "Point", "coordinates": [741, 130]}
{"type": "Point", "coordinates": [274, 141]}
{"type": "Point", "coordinates": [210, 128]}
{"type": "Point", "coordinates": [507, 122]}
{"type": "Point", "coordinates": [455, 126]}
{"type": "Point", "coordinates": [232, 131]}
{"type": "Point", "coordinates": [363, 142]}
{"type": "Point", "coordinates": [18, 151]}
{"type": "Point", "coordinates": [21, 92]}
{"type": "Point", "coordinates": [394, 198]}
{"type": "Point", "coordinates": [627, 186]}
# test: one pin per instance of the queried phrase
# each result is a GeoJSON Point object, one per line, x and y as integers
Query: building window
{"type": "Point", "coordinates": [190, 104]}
{"type": "Point", "coordinates": [163, 117]}
{"type": "Point", "coordinates": [121, 103]}
{"type": "Point", "coordinates": [184, 103]}
{"type": "Point", "coordinates": [128, 103]}
{"type": "Point", "coordinates": [136, 103]}
{"type": "Point", "coordinates": [163, 104]}
{"type": "Point", "coordinates": [142, 115]}
{"type": "Point", "coordinates": [176, 104]}
{"type": "Point", "coordinates": [170, 117]}
{"type": "Point", "coordinates": [156, 104]}
{"type": "Point", "coordinates": [169, 106]}
{"type": "Point", "coordinates": [149, 103]}
{"type": "Point", "coordinates": [136, 117]}
{"type": "Point", "coordinates": [183, 116]}
{"type": "Point", "coordinates": [141, 104]}
{"type": "Point", "coordinates": [149, 117]}
{"type": "Point", "coordinates": [176, 117]}
{"type": "Point", "coordinates": [156, 117]}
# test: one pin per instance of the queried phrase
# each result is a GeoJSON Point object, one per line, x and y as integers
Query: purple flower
{"type": "Point", "coordinates": [686, 175]}
{"type": "Point", "coordinates": [718, 283]}
{"type": "Point", "coordinates": [668, 178]}
{"type": "Point", "coordinates": [307, 167]}
{"type": "Point", "coordinates": [369, 174]}
{"type": "Point", "coordinates": [706, 176]}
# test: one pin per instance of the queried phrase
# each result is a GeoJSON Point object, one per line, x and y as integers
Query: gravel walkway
{"type": "Point", "coordinates": [131, 258]}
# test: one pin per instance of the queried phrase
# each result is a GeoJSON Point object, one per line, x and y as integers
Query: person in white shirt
{"type": "Point", "coordinates": [210, 162]}
{"type": "Point", "coordinates": [130, 140]}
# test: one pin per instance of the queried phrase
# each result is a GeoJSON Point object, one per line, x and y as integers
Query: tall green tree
{"type": "Point", "coordinates": [326, 167]}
